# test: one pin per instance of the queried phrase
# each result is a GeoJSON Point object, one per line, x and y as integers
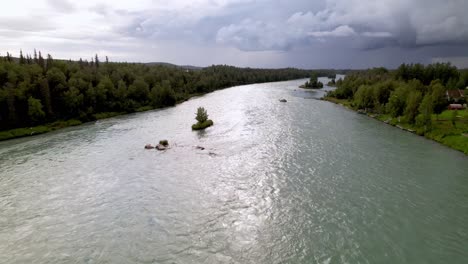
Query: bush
{"type": "Point", "coordinates": [164, 143]}
{"type": "Point", "coordinates": [199, 126]}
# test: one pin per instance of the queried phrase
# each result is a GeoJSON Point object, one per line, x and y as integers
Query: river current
{"type": "Point", "coordinates": [305, 181]}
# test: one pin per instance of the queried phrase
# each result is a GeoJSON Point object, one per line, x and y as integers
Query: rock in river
{"type": "Point", "coordinates": [161, 147]}
{"type": "Point", "coordinates": [149, 146]}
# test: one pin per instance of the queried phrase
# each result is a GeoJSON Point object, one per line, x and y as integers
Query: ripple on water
{"type": "Point", "coordinates": [301, 182]}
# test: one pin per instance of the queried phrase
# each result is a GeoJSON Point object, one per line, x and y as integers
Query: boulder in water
{"type": "Point", "coordinates": [283, 100]}
{"type": "Point", "coordinates": [161, 147]}
{"type": "Point", "coordinates": [149, 146]}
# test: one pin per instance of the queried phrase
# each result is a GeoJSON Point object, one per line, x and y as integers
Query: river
{"type": "Point", "coordinates": [305, 181]}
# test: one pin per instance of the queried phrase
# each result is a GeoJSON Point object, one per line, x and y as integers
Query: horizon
{"type": "Point", "coordinates": [323, 34]}
{"type": "Point", "coordinates": [17, 56]}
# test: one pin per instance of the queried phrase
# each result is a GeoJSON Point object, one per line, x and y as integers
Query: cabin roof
{"type": "Point", "coordinates": [455, 93]}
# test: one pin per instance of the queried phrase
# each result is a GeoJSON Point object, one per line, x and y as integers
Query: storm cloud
{"type": "Point", "coordinates": [256, 33]}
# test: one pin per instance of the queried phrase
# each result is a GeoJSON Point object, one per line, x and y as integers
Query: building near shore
{"type": "Point", "coordinates": [455, 95]}
{"type": "Point", "coordinates": [456, 107]}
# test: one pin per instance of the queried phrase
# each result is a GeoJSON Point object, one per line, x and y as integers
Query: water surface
{"type": "Point", "coordinates": [305, 181]}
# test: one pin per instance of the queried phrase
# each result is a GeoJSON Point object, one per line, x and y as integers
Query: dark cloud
{"type": "Point", "coordinates": [373, 25]}
{"type": "Point", "coordinates": [264, 33]}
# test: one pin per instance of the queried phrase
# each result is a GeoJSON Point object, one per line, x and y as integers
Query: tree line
{"type": "Point", "coordinates": [36, 90]}
{"type": "Point", "coordinates": [412, 92]}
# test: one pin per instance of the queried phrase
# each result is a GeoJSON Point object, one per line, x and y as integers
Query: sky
{"type": "Point", "coordinates": [247, 33]}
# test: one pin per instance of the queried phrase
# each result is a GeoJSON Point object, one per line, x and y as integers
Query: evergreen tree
{"type": "Point", "coordinates": [41, 61]}
{"type": "Point", "coordinates": [35, 56]}
{"type": "Point", "coordinates": [8, 57]}
{"type": "Point", "coordinates": [50, 90]}
{"type": "Point", "coordinates": [96, 61]}
{"type": "Point", "coordinates": [49, 62]}
{"type": "Point", "coordinates": [21, 58]}
{"type": "Point", "coordinates": [201, 115]}
{"type": "Point", "coordinates": [45, 93]}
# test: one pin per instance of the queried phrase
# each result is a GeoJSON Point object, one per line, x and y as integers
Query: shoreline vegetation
{"type": "Point", "coordinates": [414, 98]}
{"type": "Point", "coordinates": [41, 94]}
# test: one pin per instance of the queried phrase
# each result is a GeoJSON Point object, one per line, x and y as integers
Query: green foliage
{"type": "Point", "coordinates": [412, 106]}
{"type": "Point", "coordinates": [74, 100]}
{"type": "Point", "coordinates": [424, 119]}
{"type": "Point", "coordinates": [201, 115]}
{"type": "Point", "coordinates": [202, 118]}
{"type": "Point", "coordinates": [35, 111]}
{"type": "Point", "coordinates": [92, 90]}
{"type": "Point", "coordinates": [415, 92]}
{"type": "Point", "coordinates": [163, 95]}
{"type": "Point", "coordinates": [397, 101]}
{"type": "Point", "coordinates": [442, 71]}
{"type": "Point", "coordinates": [200, 126]}
{"type": "Point", "coordinates": [382, 91]}
{"type": "Point", "coordinates": [439, 100]}
{"type": "Point", "coordinates": [364, 97]}
{"type": "Point", "coordinates": [313, 82]}
{"type": "Point", "coordinates": [164, 143]}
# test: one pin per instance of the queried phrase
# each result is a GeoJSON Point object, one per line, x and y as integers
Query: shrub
{"type": "Point", "coordinates": [199, 126]}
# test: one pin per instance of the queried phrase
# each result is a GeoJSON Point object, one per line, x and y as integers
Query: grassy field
{"type": "Point", "coordinates": [443, 130]}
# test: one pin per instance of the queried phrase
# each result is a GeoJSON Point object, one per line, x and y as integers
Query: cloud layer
{"type": "Point", "coordinates": [274, 33]}
{"type": "Point", "coordinates": [371, 24]}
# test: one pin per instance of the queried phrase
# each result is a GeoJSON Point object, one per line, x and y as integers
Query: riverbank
{"type": "Point", "coordinates": [49, 127]}
{"type": "Point", "coordinates": [443, 130]}
{"type": "Point", "coordinates": [42, 129]}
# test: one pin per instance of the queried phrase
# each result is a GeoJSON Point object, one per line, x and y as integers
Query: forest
{"type": "Point", "coordinates": [413, 96]}
{"type": "Point", "coordinates": [37, 90]}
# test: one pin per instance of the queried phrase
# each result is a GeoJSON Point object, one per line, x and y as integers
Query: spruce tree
{"type": "Point", "coordinates": [21, 58]}
{"type": "Point", "coordinates": [41, 61]}
{"type": "Point", "coordinates": [49, 61]}
{"type": "Point", "coordinates": [96, 61]}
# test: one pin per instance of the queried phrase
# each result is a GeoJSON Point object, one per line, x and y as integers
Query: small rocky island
{"type": "Point", "coordinates": [313, 83]}
{"type": "Point", "coordinates": [163, 145]}
{"type": "Point", "coordinates": [202, 118]}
